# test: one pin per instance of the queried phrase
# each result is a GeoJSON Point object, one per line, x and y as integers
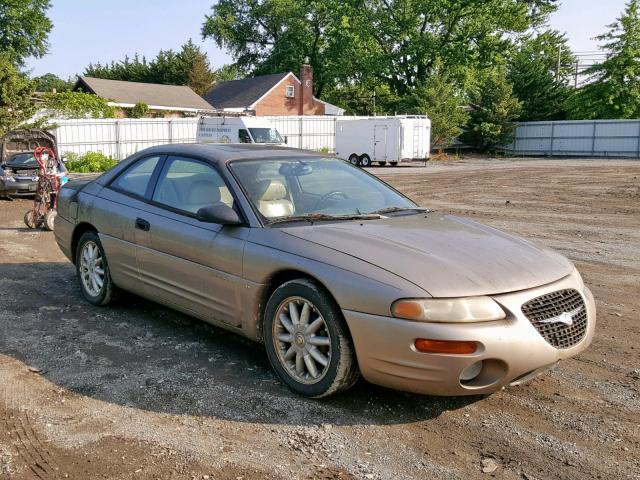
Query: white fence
{"type": "Point", "coordinates": [120, 138]}
{"type": "Point", "coordinates": [593, 138]}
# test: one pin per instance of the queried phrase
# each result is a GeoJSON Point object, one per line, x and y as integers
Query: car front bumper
{"type": "Point", "coordinates": [511, 350]}
{"type": "Point", "coordinates": [17, 189]}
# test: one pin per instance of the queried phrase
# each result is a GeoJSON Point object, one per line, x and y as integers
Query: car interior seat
{"type": "Point", "coordinates": [273, 199]}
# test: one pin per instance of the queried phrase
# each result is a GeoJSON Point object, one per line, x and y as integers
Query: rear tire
{"type": "Point", "coordinates": [354, 159]}
{"type": "Point", "coordinates": [307, 340]}
{"type": "Point", "coordinates": [93, 270]}
{"type": "Point", "coordinates": [394, 164]}
{"type": "Point", "coordinates": [365, 160]}
{"type": "Point", "coordinates": [382, 164]}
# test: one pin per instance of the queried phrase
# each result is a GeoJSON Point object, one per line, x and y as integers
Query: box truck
{"type": "Point", "coordinates": [237, 130]}
{"type": "Point", "coordinates": [364, 140]}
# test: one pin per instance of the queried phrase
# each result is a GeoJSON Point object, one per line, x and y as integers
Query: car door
{"type": "Point", "coordinates": [182, 261]}
{"type": "Point", "coordinates": [114, 212]}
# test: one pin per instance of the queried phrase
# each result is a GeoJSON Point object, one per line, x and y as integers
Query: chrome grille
{"type": "Point", "coordinates": [565, 305]}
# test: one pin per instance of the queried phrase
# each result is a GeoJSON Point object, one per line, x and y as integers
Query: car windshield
{"type": "Point", "coordinates": [22, 159]}
{"type": "Point", "coordinates": [265, 135]}
{"type": "Point", "coordinates": [315, 189]}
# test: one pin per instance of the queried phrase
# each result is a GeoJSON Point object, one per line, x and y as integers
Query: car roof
{"type": "Point", "coordinates": [223, 153]}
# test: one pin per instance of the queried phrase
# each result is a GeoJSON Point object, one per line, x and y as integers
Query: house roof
{"type": "Point", "coordinates": [157, 96]}
{"type": "Point", "coordinates": [242, 93]}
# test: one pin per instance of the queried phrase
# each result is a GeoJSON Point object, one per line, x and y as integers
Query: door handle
{"type": "Point", "coordinates": [142, 224]}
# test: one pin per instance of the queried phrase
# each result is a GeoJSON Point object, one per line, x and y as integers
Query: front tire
{"type": "Point", "coordinates": [307, 340]}
{"type": "Point", "coordinates": [365, 160]}
{"type": "Point", "coordinates": [93, 270]}
{"type": "Point", "coordinates": [354, 159]}
{"type": "Point", "coordinates": [49, 219]}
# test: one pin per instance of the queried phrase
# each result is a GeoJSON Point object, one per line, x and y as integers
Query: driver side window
{"type": "Point", "coordinates": [188, 185]}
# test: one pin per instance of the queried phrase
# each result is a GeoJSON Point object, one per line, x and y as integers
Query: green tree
{"type": "Point", "coordinates": [614, 90]}
{"type": "Point", "coordinates": [537, 83]}
{"type": "Point", "coordinates": [48, 82]}
{"type": "Point", "coordinates": [494, 108]}
{"type": "Point", "coordinates": [397, 42]}
{"type": "Point", "coordinates": [24, 29]}
{"type": "Point", "coordinates": [201, 77]}
{"type": "Point", "coordinates": [16, 91]}
{"type": "Point", "coordinates": [78, 105]}
{"type": "Point", "coordinates": [443, 102]}
{"type": "Point", "coordinates": [227, 73]}
{"type": "Point", "coordinates": [189, 66]}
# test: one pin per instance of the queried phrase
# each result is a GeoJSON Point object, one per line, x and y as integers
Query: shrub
{"type": "Point", "coordinates": [78, 105]}
{"type": "Point", "coordinates": [89, 162]}
{"type": "Point", "coordinates": [139, 110]}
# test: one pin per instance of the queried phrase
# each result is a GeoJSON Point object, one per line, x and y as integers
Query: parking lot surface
{"type": "Point", "coordinates": [137, 391]}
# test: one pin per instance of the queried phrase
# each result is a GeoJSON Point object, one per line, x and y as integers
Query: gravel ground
{"type": "Point", "coordinates": [137, 391]}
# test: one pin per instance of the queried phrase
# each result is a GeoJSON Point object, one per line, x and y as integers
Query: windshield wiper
{"type": "Point", "coordinates": [318, 217]}
{"type": "Point", "coordinates": [382, 211]}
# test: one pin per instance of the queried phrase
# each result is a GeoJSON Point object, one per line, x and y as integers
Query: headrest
{"type": "Point", "coordinates": [274, 191]}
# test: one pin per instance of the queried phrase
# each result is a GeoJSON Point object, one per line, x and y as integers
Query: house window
{"type": "Point", "coordinates": [290, 91]}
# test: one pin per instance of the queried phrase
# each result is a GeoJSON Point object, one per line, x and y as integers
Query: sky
{"type": "Point", "coordinates": [87, 31]}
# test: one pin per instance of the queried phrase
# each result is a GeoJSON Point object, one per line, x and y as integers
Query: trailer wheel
{"type": "Point", "coordinates": [354, 159]}
{"type": "Point", "coordinates": [365, 160]}
{"type": "Point", "coordinates": [394, 164]}
{"type": "Point", "coordinates": [382, 164]}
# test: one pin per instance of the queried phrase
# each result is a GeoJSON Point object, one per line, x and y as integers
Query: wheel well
{"type": "Point", "coordinates": [80, 230]}
{"type": "Point", "coordinates": [275, 281]}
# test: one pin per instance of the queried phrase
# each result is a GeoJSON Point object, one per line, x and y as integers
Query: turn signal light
{"type": "Point", "coordinates": [445, 346]}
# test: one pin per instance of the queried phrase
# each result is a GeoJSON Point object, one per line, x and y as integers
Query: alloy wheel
{"type": "Point", "coordinates": [302, 341]}
{"type": "Point", "coordinates": [91, 268]}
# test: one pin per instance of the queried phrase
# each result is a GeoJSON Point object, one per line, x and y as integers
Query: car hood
{"type": "Point", "coordinates": [445, 255]}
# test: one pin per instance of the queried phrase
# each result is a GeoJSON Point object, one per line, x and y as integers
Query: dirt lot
{"type": "Point", "coordinates": [141, 392]}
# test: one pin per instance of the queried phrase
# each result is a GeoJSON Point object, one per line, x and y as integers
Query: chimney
{"type": "Point", "coordinates": [305, 107]}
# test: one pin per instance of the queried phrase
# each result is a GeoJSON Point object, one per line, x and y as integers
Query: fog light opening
{"type": "Point", "coordinates": [471, 372]}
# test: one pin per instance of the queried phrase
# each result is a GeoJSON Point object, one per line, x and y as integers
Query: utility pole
{"type": "Point", "coordinates": [374, 102]}
{"type": "Point", "coordinates": [559, 63]}
{"type": "Point", "coordinates": [575, 83]}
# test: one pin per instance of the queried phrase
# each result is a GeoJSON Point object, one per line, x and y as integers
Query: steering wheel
{"type": "Point", "coordinates": [327, 196]}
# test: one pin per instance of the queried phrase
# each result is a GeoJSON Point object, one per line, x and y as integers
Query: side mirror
{"type": "Point", "coordinates": [286, 139]}
{"type": "Point", "coordinates": [220, 213]}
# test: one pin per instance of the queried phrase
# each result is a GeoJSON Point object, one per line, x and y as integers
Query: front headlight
{"type": "Point", "coordinates": [449, 310]}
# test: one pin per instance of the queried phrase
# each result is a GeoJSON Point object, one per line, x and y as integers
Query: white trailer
{"type": "Point", "coordinates": [244, 129]}
{"type": "Point", "coordinates": [364, 140]}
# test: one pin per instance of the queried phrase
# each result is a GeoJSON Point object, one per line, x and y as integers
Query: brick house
{"type": "Point", "coordinates": [275, 94]}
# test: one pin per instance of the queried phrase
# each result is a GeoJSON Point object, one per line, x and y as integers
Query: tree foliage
{"type": "Point", "coordinates": [16, 91]}
{"type": "Point", "coordinates": [494, 109]}
{"type": "Point", "coordinates": [397, 42]}
{"type": "Point", "coordinates": [24, 29]}
{"type": "Point", "coordinates": [78, 105]}
{"type": "Point", "coordinates": [189, 66]}
{"type": "Point", "coordinates": [50, 82]}
{"type": "Point", "coordinates": [443, 102]}
{"type": "Point", "coordinates": [614, 90]}
{"type": "Point", "coordinates": [533, 71]}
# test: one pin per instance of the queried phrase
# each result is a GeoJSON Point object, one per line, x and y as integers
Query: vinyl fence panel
{"type": "Point", "coordinates": [120, 138]}
{"type": "Point", "coordinates": [598, 138]}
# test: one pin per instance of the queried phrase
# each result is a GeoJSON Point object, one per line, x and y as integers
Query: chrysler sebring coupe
{"type": "Point", "coordinates": [334, 271]}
